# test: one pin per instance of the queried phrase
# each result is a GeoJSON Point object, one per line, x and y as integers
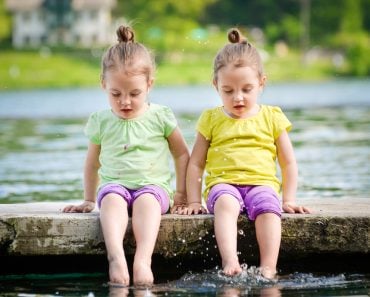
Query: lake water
{"type": "Point", "coordinates": [209, 283]}
{"type": "Point", "coordinates": [42, 150]}
{"type": "Point", "coordinates": [43, 147]}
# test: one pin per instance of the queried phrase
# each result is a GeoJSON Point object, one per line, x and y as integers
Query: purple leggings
{"type": "Point", "coordinates": [255, 200]}
{"type": "Point", "coordinates": [131, 195]}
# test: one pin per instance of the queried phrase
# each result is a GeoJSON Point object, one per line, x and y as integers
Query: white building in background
{"type": "Point", "coordinates": [83, 23]}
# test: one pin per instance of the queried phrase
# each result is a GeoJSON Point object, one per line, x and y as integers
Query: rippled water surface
{"type": "Point", "coordinates": [43, 147]}
{"type": "Point", "coordinates": [208, 283]}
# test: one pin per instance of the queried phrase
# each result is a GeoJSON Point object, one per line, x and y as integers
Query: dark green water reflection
{"type": "Point", "coordinates": [208, 283]}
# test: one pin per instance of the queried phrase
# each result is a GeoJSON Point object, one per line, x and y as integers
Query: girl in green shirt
{"type": "Point", "coordinates": [127, 159]}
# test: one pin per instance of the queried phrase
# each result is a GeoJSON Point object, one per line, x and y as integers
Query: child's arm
{"type": "Point", "coordinates": [91, 180]}
{"type": "Point", "coordinates": [194, 175]}
{"type": "Point", "coordinates": [180, 154]}
{"type": "Point", "coordinates": [289, 173]}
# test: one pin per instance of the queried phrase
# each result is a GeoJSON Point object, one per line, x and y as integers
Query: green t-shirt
{"type": "Point", "coordinates": [134, 152]}
{"type": "Point", "coordinates": [242, 151]}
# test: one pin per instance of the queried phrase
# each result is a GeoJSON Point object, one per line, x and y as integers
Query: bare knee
{"type": "Point", "coordinates": [227, 204]}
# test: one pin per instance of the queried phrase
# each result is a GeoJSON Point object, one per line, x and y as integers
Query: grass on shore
{"type": "Point", "coordinates": [38, 69]}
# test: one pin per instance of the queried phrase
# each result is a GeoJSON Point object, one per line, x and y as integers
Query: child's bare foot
{"type": "Point", "coordinates": [118, 272]}
{"type": "Point", "coordinates": [143, 275]}
{"type": "Point", "coordinates": [231, 267]}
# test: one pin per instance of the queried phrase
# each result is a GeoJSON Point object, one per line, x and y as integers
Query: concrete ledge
{"type": "Point", "coordinates": [337, 226]}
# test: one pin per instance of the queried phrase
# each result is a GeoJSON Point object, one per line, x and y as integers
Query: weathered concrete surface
{"type": "Point", "coordinates": [336, 226]}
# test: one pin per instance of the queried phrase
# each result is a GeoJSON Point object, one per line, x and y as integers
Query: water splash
{"type": "Point", "coordinates": [215, 278]}
{"type": "Point", "coordinates": [251, 279]}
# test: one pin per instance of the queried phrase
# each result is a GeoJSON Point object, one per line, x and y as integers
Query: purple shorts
{"type": "Point", "coordinates": [131, 195]}
{"type": "Point", "coordinates": [255, 200]}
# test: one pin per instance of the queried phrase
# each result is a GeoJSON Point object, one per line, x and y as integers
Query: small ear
{"type": "Point", "coordinates": [263, 81]}
{"type": "Point", "coordinates": [150, 83]}
{"type": "Point", "coordinates": [102, 82]}
{"type": "Point", "coordinates": [214, 82]}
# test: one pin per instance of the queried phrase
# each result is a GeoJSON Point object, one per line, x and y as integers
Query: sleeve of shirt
{"type": "Point", "coordinates": [281, 122]}
{"type": "Point", "coordinates": [169, 121]}
{"type": "Point", "coordinates": [203, 125]}
{"type": "Point", "coordinates": [92, 129]}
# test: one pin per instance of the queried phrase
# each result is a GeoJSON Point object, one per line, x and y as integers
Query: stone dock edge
{"type": "Point", "coordinates": [337, 227]}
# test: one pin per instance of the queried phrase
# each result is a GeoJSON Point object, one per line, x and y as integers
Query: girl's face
{"type": "Point", "coordinates": [239, 88]}
{"type": "Point", "coordinates": [127, 93]}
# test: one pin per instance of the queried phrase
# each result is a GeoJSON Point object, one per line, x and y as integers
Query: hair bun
{"type": "Point", "coordinates": [235, 36]}
{"type": "Point", "coordinates": [125, 34]}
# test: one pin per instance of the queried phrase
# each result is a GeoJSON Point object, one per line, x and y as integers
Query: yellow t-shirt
{"type": "Point", "coordinates": [242, 151]}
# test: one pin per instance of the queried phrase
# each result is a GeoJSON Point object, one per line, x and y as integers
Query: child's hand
{"type": "Point", "coordinates": [291, 207]}
{"type": "Point", "coordinates": [178, 209]}
{"type": "Point", "coordinates": [195, 208]}
{"type": "Point", "coordinates": [179, 203]}
{"type": "Point", "coordinates": [86, 206]}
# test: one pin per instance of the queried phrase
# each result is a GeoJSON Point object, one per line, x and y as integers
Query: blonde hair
{"type": "Point", "coordinates": [239, 52]}
{"type": "Point", "coordinates": [127, 53]}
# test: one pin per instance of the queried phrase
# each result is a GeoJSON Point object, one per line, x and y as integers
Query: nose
{"type": "Point", "coordinates": [125, 100]}
{"type": "Point", "coordinates": [238, 96]}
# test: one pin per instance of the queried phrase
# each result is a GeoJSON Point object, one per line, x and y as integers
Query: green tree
{"type": "Point", "coordinates": [164, 23]}
{"type": "Point", "coordinates": [5, 23]}
{"type": "Point", "coordinates": [353, 39]}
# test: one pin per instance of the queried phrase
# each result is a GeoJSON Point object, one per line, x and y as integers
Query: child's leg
{"type": "Point", "coordinates": [226, 211]}
{"type": "Point", "coordinates": [113, 220]}
{"type": "Point", "coordinates": [268, 232]}
{"type": "Point", "coordinates": [146, 218]}
{"type": "Point", "coordinates": [263, 207]}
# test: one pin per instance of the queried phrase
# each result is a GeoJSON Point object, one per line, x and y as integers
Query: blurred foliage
{"type": "Point", "coordinates": [336, 27]}
{"type": "Point", "coordinates": [354, 39]}
{"type": "Point", "coordinates": [5, 23]}
{"type": "Point", "coordinates": [186, 35]}
{"type": "Point", "coordinates": [165, 24]}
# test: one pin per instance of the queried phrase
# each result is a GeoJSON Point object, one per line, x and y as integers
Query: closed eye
{"type": "Point", "coordinates": [135, 94]}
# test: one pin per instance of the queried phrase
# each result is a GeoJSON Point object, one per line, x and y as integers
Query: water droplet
{"type": "Point", "coordinates": [148, 293]}
{"type": "Point", "coordinates": [241, 232]}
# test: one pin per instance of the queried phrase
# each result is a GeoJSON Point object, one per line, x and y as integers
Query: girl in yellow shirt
{"type": "Point", "coordinates": [238, 144]}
